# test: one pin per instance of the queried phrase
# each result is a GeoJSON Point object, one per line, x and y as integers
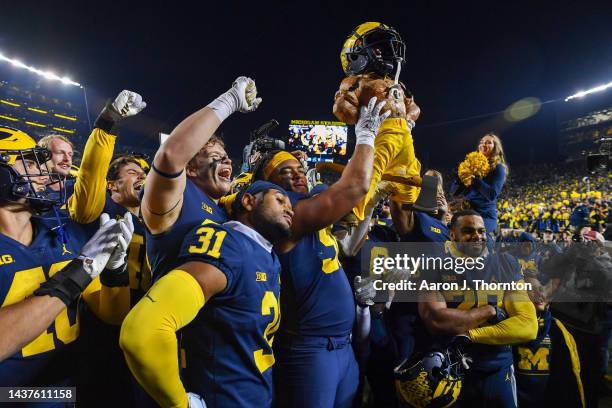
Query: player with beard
{"type": "Point", "coordinates": [489, 320]}
{"type": "Point", "coordinates": [315, 361]}
{"type": "Point", "coordinates": [224, 297]}
{"type": "Point", "coordinates": [183, 189]}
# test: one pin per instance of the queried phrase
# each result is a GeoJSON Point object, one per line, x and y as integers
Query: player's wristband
{"type": "Point", "coordinates": [224, 105]}
{"type": "Point", "coordinates": [410, 123]}
{"type": "Point", "coordinates": [67, 284]}
{"type": "Point", "coordinates": [108, 119]}
{"type": "Point", "coordinates": [113, 278]}
{"type": "Point", "coordinates": [366, 138]}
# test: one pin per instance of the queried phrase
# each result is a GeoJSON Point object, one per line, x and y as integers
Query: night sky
{"type": "Point", "coordinates": [462, 61]}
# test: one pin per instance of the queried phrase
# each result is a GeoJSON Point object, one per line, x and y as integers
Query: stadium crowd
{"type": "Point", "coordinates": [171, 293]}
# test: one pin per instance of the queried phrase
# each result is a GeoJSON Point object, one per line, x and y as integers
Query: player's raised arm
{"type": "Point", "coordinates": [22, 322]}
{"type": "Point", "coordinates": [328, 207]}
{"type": "Point", "coordinates": [87, 202]}
{"type": "Point", "coordinates": [163, 194]}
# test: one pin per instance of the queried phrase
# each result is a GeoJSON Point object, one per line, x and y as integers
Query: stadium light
{"type": "Point", "coordinates": [46, 74]}
{"type": "Point", "coordinates": [589, 91]}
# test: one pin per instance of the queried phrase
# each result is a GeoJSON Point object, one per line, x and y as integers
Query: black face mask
{"type": "Point", "coordinates": [15, 186]}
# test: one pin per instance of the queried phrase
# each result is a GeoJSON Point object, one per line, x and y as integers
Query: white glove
{"type": "Point", "coordinates": [117, 259]}
{"type": "Point", "coordinates": [364, 290]}
{"type": "Point", "coordinates": [369, 121]}
{"type": "Point", "coordinates": [195, 401]}
{"type": "Point", "coordinates": [242, 97]}
{"type": "Point", "coordinates": [97, 251]}
{"type": "Point", "coordinates": [128, 103]}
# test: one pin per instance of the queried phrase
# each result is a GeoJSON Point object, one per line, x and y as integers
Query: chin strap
{"type": "Point", "coordinates": [398, 70]}
{"type": "Point", "coordinates": [395, 93]}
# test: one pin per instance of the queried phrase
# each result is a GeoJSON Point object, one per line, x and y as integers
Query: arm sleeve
{"type": "Point", "coordinates": [493, 190]}
{"type": "Point", "coordinates": [87, 201]}
{"type": "Point", "coordinates": [521, 325]}
{"type": "Point", "coordinates": [110, 305]}
{"type": "Point", "coordinates": [148, 336]}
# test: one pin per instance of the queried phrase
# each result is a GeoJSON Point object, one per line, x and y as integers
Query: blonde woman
{"type": "Point", "coordinates": [482, 194]}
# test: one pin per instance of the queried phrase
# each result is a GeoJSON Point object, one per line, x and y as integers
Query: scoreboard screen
{"type": "Point", "coordinates": [321, 140]}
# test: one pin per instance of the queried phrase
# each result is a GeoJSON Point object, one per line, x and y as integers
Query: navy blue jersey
{"type": "Point", "coordinates": [499, 268]}
{"type": "Point", "coordinates": [138, 266]}
{"type": "Point", "coordinates": [228, 346]}
{"type": "Point", "coordinates": [163, 249]}
{"type": "Point", "coordinates": [68, 187]}
{"type": "Point", "coordinates": [426, 229]}
{"type": "Point", "coordinates": [47, 359]}
{"type": "Point", "coordinates": [317, 297]}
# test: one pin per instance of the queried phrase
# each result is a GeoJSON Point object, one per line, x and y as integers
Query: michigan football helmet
{"type": "Point", "coordinates": [372, 47]}
{"type": "Point", "coordinates": [22, 165]}
{"type": "Point", "coordinates": [431, 379]}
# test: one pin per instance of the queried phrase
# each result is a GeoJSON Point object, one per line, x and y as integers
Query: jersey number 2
{"type": "Point", "coordinates": [269, 304]}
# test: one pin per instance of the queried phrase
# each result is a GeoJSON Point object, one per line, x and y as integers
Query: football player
{"type": "Point", "coordinates": [480, 315]}
{"type": "Point", "coordinates": [183, 189]}
{"type": "Point", "coordinates": [371, 58]}
{"type": "Point", "coordinates": [62, 151]}
{"type": "Point", "coordinates": [421, 226]}
{"type": "Point", "coordinates": [224, 297]}
{"type": "Point", "coordinates": [45, 268]}
{"type": "Point", "coordinates": [111, 187]}
{"type": "Point", "coordinates": [315, 361]}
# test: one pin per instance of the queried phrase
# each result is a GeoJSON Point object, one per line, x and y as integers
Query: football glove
{"type": "Point", "coordinates": [68, 283]}
{"type": "Point", "coordinates": [115, 273]}
{"type": "Point", "coordinates": [241, 97]}
{"type": "Point", "coordinates": [117, 259]}
{"type": "Point", "coordinates": [364, 291]}
{"type": "Point", "coordinates": [126, 104]}
{"type": "Point", "coordinates": [195, 401]}
{"type": "Point", "coordinates": [369, 121]}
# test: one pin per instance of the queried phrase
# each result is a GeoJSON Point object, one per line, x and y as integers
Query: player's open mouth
{"type": "Point", "coordinates": [225, 174]}
{"type": "Point", "coordinates": [138, 186]}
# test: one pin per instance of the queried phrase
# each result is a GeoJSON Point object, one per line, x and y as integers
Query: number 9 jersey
{"type": "Point", "coordinates": [228, 346]}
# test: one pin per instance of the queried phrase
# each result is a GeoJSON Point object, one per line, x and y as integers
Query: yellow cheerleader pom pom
{"type": "Point", "coordinates": [474, 165]}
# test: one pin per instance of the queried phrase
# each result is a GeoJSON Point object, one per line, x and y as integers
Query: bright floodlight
{"type": "Point", "coordinates": [590, 91]}
{"type": "Point", "coordinates": [47, 74]}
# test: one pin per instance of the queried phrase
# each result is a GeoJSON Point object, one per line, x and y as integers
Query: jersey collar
{"type": "Point", "coordinates": [251, 233]}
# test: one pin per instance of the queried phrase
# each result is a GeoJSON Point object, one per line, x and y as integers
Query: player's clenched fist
{"type": "Point", "coordinates": [241, 97]}
{"type": "Point", "coordinates": [128, 103]}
